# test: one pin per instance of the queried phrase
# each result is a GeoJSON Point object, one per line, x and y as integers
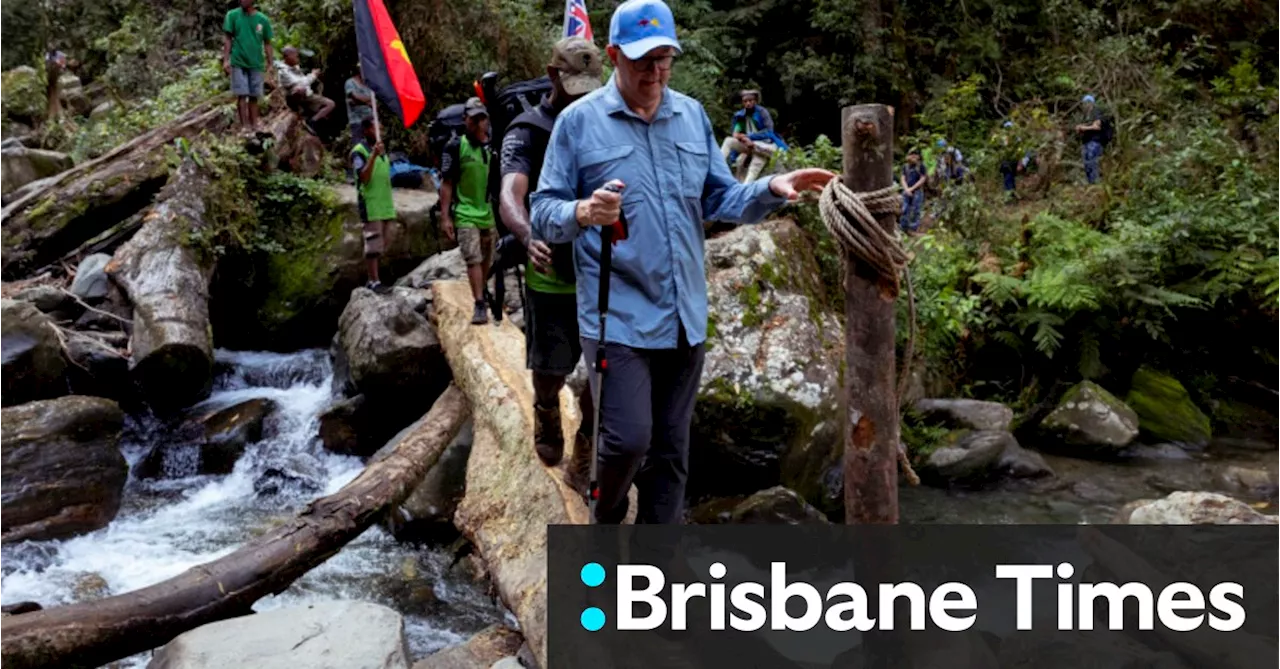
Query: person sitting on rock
{"type": "Point", "coordinates": [752, 137]}
{"type": "Point", "coordinates": [373, 184]}
{"type": "Point", "coordinates": [303, 90]}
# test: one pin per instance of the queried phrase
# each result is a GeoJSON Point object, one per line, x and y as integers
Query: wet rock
{"type": "Point", "coordinates": [481, 651]}
{"type": "Point", "coordinates": [1238, 444]}
{"type": "Point", "coordinates": [390, 349]}
{"type": "Point", "coordinates": [20, 608]}
{"type": "Point", "coordinates": [91, 283]}
{"type": "Point", "coordinates": [966, 414]}
{"type": "Point", "coordinates": [21, 166]}
{"type": "Point", "coordinates": [1165, 410]}
{"type": "Point", "coordinates": [89, 587]}
{"type": "Point", "coordinates": [344, 428]}
{"type": "Point", "coordinates": [63, 474]}
{"type": "Point", "coordinates": [276, 481]}
{"type": "Point", "coordinates": [1157, 452]}
{"type": "Point", "coordinates": [427, 513]}
{"type": "Point", "coordinates": [331, 635]}
{"type": "Point", "coordinates": [971, 458]}
{"type": "Point", "coordinates": [33, 367]}
{"type": "Point", "coordinates": [767, 402]}
{"type": "Point", "coordinates": [1253, 481]}
{"type": "Point", "coordinates": [777, 506]}
{"type": "Point", "coordinates": [1090, 417]}
{"type": "Point", "coordinates": [48, 299]}
{"type": "Point", "coordinates": [209, 443]}
{"type": "Point", "coordinates": [71, 92]}
{"type": "Point", "coordinates": [389, 353]}
{"type": "Point", "coordinates": [1192, 508]}
{"type": "Point", "coordinates": [1020, 463]}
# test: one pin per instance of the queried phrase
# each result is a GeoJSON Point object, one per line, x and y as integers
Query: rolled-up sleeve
{"type": "Point", "coordinates": [553, 205]}
{"type": "Point", "coordinates": [726, 200]}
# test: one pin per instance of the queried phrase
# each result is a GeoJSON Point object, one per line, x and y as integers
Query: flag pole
{"type": "Point", "coordinates": [377, 127]}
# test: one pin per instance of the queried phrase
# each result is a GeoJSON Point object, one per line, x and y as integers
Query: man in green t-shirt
{"type": "Point", "coordinates": [373, 172]}
{"type": "Point", "coordinates": [465, 166]}
{"type": "Point", "coordinates": [247, 33]}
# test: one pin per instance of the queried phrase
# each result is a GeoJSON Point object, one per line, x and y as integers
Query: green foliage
{"type": "Point", "coordinates": [202, 81]}
{"type": "Point", "coordinates": [24, 95]}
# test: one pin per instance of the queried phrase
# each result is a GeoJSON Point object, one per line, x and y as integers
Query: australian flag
{"type": "Point", "coordinates": [576, 21]}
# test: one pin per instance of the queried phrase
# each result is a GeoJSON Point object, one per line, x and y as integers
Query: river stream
{"type": "Point", "coordinates": [166, 526]}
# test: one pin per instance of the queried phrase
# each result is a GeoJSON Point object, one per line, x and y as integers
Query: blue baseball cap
{"type": "Point", "coordinates": [942, 143]}
{"type": "Point", "coordinates": [1088, 98]}
{"type": "Point", "coordinates": [1008, 124]}
{"type": "Point", "coordinates": [640, 26]}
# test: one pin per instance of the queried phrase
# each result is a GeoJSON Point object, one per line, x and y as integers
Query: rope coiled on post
{"type": "Point", "coordinates": [851, 219]}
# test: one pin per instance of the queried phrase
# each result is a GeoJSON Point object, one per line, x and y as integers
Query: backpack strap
{"type": "Point", "coordinates": [534, 118]}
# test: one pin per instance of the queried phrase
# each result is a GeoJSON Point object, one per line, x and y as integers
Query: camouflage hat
{"type": "Point", "coordinates": [579, 63]}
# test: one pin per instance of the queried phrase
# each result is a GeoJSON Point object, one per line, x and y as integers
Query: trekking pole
{"type": "Point", "coordinates": [607, 240]}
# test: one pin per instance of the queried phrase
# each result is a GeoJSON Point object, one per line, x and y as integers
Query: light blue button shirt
{"type": "Point", "coordinates": [676, 179]}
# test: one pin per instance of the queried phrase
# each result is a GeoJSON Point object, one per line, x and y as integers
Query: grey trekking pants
{"type": "Point", "coordinates": [647, 408]}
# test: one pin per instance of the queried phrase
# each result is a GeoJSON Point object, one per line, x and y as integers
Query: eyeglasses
{"type": "Point", "coordinates": [649, 63]}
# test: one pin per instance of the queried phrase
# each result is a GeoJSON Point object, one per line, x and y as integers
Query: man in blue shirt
{"type": "Point", "coordinates": [660, 144]}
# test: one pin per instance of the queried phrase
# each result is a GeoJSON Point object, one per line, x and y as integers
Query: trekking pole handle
{"type": "Point", "coordinates": [619, 227]}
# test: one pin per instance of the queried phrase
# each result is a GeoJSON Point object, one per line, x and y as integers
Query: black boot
{"type": "Point", "coordinates": [548, 435]}
{"type": "Point", "coordinates": [578, 473]}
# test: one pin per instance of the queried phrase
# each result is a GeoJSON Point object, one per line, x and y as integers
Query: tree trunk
{"type": "Point", "coordinates": [297, 150]}
{"type": "Point", "coordinates": [168, 284]}
{"type": "Point", "coordinates": [94, 633]}
{"type": "Point", "coordinates": [61, 213]}
{"type": "Point", "coordinates": [511, 497]}
{"type": "Point", "coordinates": [868, 396]}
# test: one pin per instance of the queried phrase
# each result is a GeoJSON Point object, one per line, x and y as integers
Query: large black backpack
{"type": "Point", "coordinates": [449, 122]}
{"type": "Point", "coordinates": [1108, 132]}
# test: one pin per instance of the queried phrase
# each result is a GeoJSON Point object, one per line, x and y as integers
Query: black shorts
{"type": "Point", "coordinates": [551, 339]}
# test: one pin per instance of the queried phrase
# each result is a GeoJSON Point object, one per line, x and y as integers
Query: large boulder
{"type": "Point", "coordinates": [62, 472]}
{"type": "Point", "coordinates": [1165, 410]}
{"type": "Point", "coordinates": [1192, 508]}
{"type": "Point", "coordinates": [332, 635]}
{"type": "Point", "coordinates": [49, 299]}
{"type": "Point", "coordinates": [443, 266]}
{"type": "Point", "coordinates": [426, 515]}
{"type": "Point", "coordinates": [967, 414]}
{"type": "Point", "coordinates": [767, 403]}
{"type": "Point", "coordinates": [71, 93]}
{"type": "Point", "coordinates": [21, 166]}
{"type": "Point", "coordinates": [209, 442]}
{"type": "Point", "coordinates": [297, 296]}
{"type": "Point", "coordinates": [389, 349]}
{"type": "Point", "coordinates": [1092, 419]}
{"type": "Point", "coordinates": [481, 651]}
{"type": "Point", "coordinates": [30, 355]}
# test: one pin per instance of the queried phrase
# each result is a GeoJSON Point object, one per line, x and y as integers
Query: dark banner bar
{"type": "Point", "coordinates": [1039, 597]}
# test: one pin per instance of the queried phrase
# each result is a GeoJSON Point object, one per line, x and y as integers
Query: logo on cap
{"type": "Point", "coordinates": [650, 22]}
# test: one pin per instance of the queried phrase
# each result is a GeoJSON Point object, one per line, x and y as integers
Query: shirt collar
{"type": "Point", "coordinates": [614, 103]}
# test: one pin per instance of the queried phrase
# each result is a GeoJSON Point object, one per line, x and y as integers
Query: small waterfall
{"type": "Point", "coordinates": [169, 525]}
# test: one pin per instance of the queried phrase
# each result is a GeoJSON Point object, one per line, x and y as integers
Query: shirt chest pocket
{"type": "Point", "coordinates": [693, 167]}
{"type": "Point", "coordinates": [598, 166]}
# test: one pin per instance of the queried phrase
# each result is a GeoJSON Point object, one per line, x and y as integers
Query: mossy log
{"type": "Point", "coordinates": [95, 633]}
{"type": "Point", "coordinates": [56, 215]}
{"type": "Point", "coordinates": [511, 497]}
{"type": "Point", "coordinates": [168, 284]}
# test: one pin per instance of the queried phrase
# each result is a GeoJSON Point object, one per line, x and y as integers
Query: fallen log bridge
{"type": "Point", "coordinates": [95, 633]}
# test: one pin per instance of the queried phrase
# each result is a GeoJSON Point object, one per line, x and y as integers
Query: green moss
{"type": "Point", "coordinates": [750, 298]}
{"type": "Point", "coordinates": [1165, 410]}
{"type": "Point", "coordinates": [300, 277]}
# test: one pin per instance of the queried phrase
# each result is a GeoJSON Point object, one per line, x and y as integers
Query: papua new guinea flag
{"type": "Point", "coordinates": [385, 63]}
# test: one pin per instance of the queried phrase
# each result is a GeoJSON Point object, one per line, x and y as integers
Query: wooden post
{"type": "Point", "coordinates": [868, 396]}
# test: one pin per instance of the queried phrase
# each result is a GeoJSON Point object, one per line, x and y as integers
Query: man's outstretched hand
{"type": "Point", "coordinates": [791, 184]}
